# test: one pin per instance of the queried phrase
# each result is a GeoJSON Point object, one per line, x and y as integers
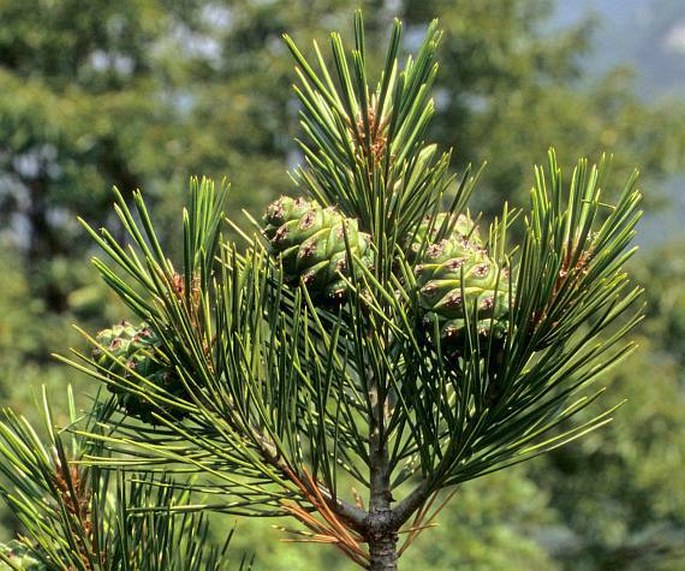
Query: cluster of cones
{"type": "Point", "coordinates": [457, 280]}
{"type": "Point", "coordinates": [457, 283]}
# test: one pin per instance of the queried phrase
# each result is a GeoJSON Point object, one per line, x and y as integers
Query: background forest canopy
{"type": "Point", "coordinates": [143, 94]}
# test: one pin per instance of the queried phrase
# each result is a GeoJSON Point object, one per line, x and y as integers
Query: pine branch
{"type": "Point", "coordinates": [77, 516]}
{"type": "Point", "coordinates": [376, 334]}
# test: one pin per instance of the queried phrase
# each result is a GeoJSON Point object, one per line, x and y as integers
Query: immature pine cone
{"type": "Point", "coordinates": [136, 349]}
{"type": "Point", "coordinates": [310, 242]}
{"type": "Point", "coordinates": [456, 278]}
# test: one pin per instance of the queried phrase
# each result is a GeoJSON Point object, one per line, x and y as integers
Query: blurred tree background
{"type": "Point", "coordinates": [145, 93]}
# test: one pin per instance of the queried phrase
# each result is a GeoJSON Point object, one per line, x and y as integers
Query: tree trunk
{"type": "Point", "coordinates": [382, 549]}
{"type": "Point", "coordinates": [380, 533]}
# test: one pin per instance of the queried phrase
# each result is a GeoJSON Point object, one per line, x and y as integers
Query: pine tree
{"type": "Point", "coordinates": [368, 347]}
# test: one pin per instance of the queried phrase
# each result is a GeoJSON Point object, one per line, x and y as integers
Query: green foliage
{"type": "Point", "coordinates": [618, 494]}
{"type": "Point", "coordinates": [665, 269]}
{"type": "Point", "coordinates": [512, 84]}
{"type": "Point", "coordinates": [76, 119]}
{"type": "Point", "coordinates": [495, 524]}
{"type": "Point", "coordinates": [78, 517]}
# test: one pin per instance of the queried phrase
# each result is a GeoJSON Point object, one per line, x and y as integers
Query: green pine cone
{"type": "Point", "coordinates": [457, 279]}
{"type": "Point", "coordinates": [136, 351]}
{"type": "Point", "coordinates": [117, 340]}
{"type": "Point", "coordinates": [310, 242]}
{"type": "Point", "coordinates": [464, 227]}
{"type": "Point", "coordinates": [284, 210]}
